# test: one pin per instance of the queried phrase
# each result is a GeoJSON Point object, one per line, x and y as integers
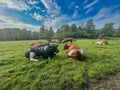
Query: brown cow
{"type": "Point", "coordinates": [67, 40]}
{"type": "Point", "coordinates": [31, 44]}
{"type": "Point", "coordinates": [38, 44]}
{"type": "Point", "coordinates": [75, 54]}
{"type": "Point", "coordinates": [74, 51]}
{"type": "Point", "coordinates": [70, 47]}
{"type": "Point", "coordinates": [102, 42]}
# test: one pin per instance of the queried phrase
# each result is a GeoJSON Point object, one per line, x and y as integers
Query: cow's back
{"type": "Point", "coordinates": [73, 47]}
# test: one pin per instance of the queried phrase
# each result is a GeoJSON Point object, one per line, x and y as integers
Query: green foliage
{"type": "Point", "coordinates": [108, 30]}
{"type": "Point", "coordinates": [118, 32]}
{"type": "Point", "coordinates": [83, 31]}
{"type": "Point", "coordinates": [17, 34]}
{"type": "Point", "coordinates": [46, 33]}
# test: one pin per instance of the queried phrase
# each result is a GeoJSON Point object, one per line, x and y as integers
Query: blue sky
{"type": "Point", "coordinates": [31, 14]}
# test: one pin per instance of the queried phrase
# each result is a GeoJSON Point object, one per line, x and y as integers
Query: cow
{"type": "Point", "coordinates": [46, 52]}
{"type": "Point", "coordinates": [102, 42]}
{"type": "Point", "coordinates": [67, 40]}
{"type": "Point", "coordinates": [38, 44]}
{"type": "Point", "coordinates": [74, 52]}
{"type": "Point", "coordinates": [70, 47]}
{"type": "Point", "coordinates": [33, 43]}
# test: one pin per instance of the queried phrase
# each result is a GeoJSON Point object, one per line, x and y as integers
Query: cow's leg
{"type": "Point", "coordinates": [32, 55]}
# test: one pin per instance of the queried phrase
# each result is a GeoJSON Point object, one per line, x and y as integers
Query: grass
{"type": "Point", "coordinates": [59, 73]}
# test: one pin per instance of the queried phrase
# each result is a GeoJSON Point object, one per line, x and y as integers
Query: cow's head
{"type": "Point", "coordinates": [65, 47]}
{"type": "Point", "coordinates": [55, 48]}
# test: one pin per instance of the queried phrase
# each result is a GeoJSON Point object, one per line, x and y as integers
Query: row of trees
{"type": "Point", "coordinates": [23, 34]}
{"type": "Point", "coordinates": [17, 34]}
{"type": "Point", "coordinates": [88, 30]}
{"type": "Point", "coordinates": [83, 31]}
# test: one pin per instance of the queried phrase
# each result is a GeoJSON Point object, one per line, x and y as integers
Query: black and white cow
{"type": "Point", "coordinates": [45, 52]}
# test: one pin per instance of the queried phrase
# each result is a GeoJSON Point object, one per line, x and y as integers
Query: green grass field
{"type": "Point", "coordinates": [59, 73]}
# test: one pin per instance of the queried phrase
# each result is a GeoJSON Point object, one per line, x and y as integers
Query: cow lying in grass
{"type": "Point", "coordinates": [45, 52]}
{"type": "Point", "coordinates": [67, 40]}
{"type": "Point", "coordinates": [102, 42]}
{"type": "Point", "coordinates": [38, 44]}
{"type": "Point", "coordinates": [74, 52]}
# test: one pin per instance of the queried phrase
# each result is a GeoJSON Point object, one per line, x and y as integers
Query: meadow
{"type": "Point", "coordinates": [60, 72]}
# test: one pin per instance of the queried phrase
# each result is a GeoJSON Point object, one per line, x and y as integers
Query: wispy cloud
{"type": "Point", "coordinates": [56, 22]}
{"type": "Point", "coordinates": [53, 13]}
{"type": "Point", "coordinates": [91, 4]}
{"type": "Point", "coordinates": [105, 15]}
{"type": "Point", "coordinates": [75, 14]}
{"type": "Point", "coordinates": [52, 7]}
{"type": "Point", "coordinates": [85, 1]}
{"type": "Point", "coordinates": [79, 21]}
{"type": "Point", "coordinates": [19, 5]}
{"type": "Point", "coordinates": [32, 2]}
{"type": "Point", "coordinates": [72, 5]}
{"type": "Point", "coordinates": [9, 22]}
{"type": "Point", "coordinates": [89, 10]}
{"type": "Point", "coordinates": [37, 16]}
{"type": "Point", "coordinates": [114, 19]}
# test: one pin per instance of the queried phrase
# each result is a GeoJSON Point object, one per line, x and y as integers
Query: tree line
{"type": "Point", "coordinates": [17, 34]}
{"type": "Point", "coordinates": [88, 30]}
{"type": "Point", "coordinates": [82, 31]}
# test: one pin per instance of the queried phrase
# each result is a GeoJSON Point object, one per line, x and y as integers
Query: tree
{"type": "Point", "coordinates": [42, 32]}
{"type": "Point", "coordinates": [65, 30]}
{"type": "Point", "coordinates": [16, 34]}
{"type": "Point", "coordinates": [82, 33]}
{"type": "Point", "coordinates": [118, 32]}
{"type": "Point", "coordinates": [51, 32]}
{"type": "Point", "coordinates": [90, 27]}
{"type": "Point", "coordinates": [73, 31]}
{"type": "Point", "coordinates": [35, 35]}
{"type": "Point", "coordinates": [58, 32]}
{"type": "Point", "coordinates": [108, 29]}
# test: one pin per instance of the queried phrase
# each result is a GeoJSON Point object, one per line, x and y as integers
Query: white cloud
{"type": "Point", "coordinates": [79, 21]}
{"type": "Point", "coordinates": [114, 19]}
{"type": "Point", "coordinates": [88, 10]}
{"type": "Point", "coordinates": [8, 22]}
{"type": "Point", "coordinates": [45, 3]}
{"type": "Point", "coordinates": [18, 5]}
{"type": "Point", "coordinates": [52, 7]}
{"type": "Point", "coordinates": [56, 22]}
{"type": "Point", "coordinates": [44, 10]}
{"type": "Point", "coordinates": [37, 7]}
{"type": "Point", "coordinates": [52, 17]}
{"type": "Point", "coordinates": [75, 14]}
{"type": "Point", "coordinates": [76, 7]}
{"type": "Point", "coordinates": [91, 4]}
{"type": "Point", "coordinates": [105, 15]}
{"type": "Point", "coordinates": [32, 2]}
{"type": "Point", "coordinates": [37, 16]}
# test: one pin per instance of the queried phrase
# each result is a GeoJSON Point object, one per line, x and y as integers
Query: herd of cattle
{"type": "Point", "coordinates": [46, 51]}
